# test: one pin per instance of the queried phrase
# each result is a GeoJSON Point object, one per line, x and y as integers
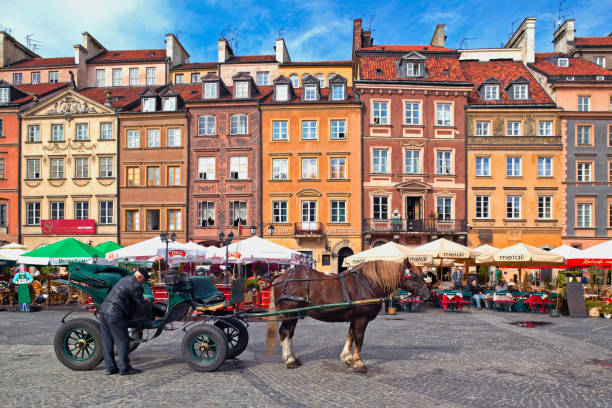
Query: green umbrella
{"type": "Point", "coordinates": [60, 253]}
{"type": "Point", "coordinates": [107, 247]}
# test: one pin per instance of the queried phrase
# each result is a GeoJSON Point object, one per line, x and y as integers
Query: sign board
{"type": "Point", "coordinates": [575, 300]}
{"type": "Point", "coordinates": [68, 227]}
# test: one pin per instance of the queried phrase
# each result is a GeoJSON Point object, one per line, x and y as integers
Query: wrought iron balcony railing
{"type": "Point", "coordinates": [449, 226]}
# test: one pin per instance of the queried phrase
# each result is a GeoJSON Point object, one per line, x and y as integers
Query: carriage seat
{"type": "Point", "coordinates": [204, 291]}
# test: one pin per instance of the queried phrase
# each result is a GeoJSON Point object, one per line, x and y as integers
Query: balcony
{"type": "Point", "coordinates": [431, 226]}
{"type": "Point", "coordinates": [308, 229]}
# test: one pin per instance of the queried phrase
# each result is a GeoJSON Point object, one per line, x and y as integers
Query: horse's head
{"type": "Point", "coordinates": [414, 282]}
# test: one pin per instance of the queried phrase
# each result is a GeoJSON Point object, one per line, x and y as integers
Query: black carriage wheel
{"type": "Point", "coordinates": [236, 333]}
{"type": "Point", "coordinates": [135, 334]}
{"type": "Point", "coordinates": [204, 348]}
{"type": "Point", "coordinates": [78, 344]}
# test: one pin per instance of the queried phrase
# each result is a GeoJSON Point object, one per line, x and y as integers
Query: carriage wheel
{"type": "Point", "coordinates": [78, 344]}
{"type": "Point", "coordinates": [204, 348]}
{"type": "Point", "coordinates": [236, 333]}
{"type": "Point", "coordinates": [135, 334]}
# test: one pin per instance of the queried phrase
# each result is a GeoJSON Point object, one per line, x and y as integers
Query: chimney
{"type": "Point", "coordinates": [563, 36]}
{"type": "Point", "coordinates": [91, 45]}
{"type": "Point", "coordinates": [109, 100]}
{"type": "Point", "coordinates": [175, 50]}
{"type": "Point", "coordinates": [225, 52]}
{"type": "Point", "coordinates": [12, 50]}
{"type": "Point", "coordinates": [438, 39]}
{"type": "Point", "coordinates": [356, 34]}
{"type": "Point", "coordinates": [282, 54]}
{"type": "Point", "coordinates": [524, 39]}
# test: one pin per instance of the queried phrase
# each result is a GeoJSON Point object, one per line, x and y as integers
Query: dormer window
{"type": "Point", "coordinates": [242, 89]}
{"type": "Point", "coordinates": [310, 92]}
{"type": "Point", "coordinates": [520, 92]}
{"type": "Point", "coordinates": [170, 103]}
{"type": "Point", "coordinates": [338, 92]}
{"type": "Point", "coordinates": [210, 90]}
{"type": "Point", "coordinates": [4, 95]}
{"type": "Point", "coordinates": [282, 92]}
{"type": "Point", "coordinates": [148, 104]}
{"type": "Point", "coordinates": [563, 62]}
{"type": "Point", "coordinates": [413, 69]}
{"type": "Point", "coordinates": [491, 92]}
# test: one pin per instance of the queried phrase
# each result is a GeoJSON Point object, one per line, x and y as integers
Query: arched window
{"type": "Point", "coordinates": [321, 79]}
{"type": "Point", "coordinates": [295, 82]}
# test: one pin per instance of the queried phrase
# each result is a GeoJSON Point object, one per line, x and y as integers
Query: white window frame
{"type": "Point", "coordinates": [545, 166]}
{"type": "Point", "coordinates": [239, 167]}
{"type": "Point", "coordinates": [280, 212]}
{"type": "Point", "coordinates": [57, 132]}
{"type": "Point", "coordinates": [383, 207]}
{"type": "Point", "coordinates": [81, 167]}
{"type": "Point", "coordinates": [280, 169]}
{"type": "Point", "coordinates": [412, 161]}
{"type": "Point", "coordinates": [584, 171]}
{"type": "Point", "coordinates": [207, 125]}
{"type": "Point", "coordinates": [242, 209]}
{"type": "Point", "coordinates": [491, 92]}
{"type": "Point", "coordinates": [380, 161]}
{"type": "Point", "coordinates": [205, 210]}
{"type": "Point", "coordinates": [81, 210]}
{"type": "Point", "coordinates": [321, 79]}
{"type": "Point", "coordinates": [520, 92]}
{"type": "Point", "coordinates": [195, 77]}
{"type": "Point", "coordinates": [310, 130]}
{"type": "Point", "coordinates": [337, 91]}
{"type": "Point", "coordinates": [153, 138]}
{"type": "Point", "coordinates": [337, 168]}
{"type": "Point", "coordinates": [310, 92]}
{"type": "Point", "coordinates": [280, 130]}
{"type": "Point", "coordinates": [412, 113]}
{"type": "Point", "coordinates": [444, 115]}
{"type": "Point", "coordinates": [17, 78]}
{"type": "Point", "coordinates": [444, 208]}
{"type": "Point", "coordinates": [207, 167]}
{"type": "Point", "coordinates": [179, 78]}
{"type": "Point", "coordinates": [106, 131]}
{"type": "Point", "coordinates": [513, 207]}
{"type": "Point", "coordinates": [600, 60]}
{"type": "Point", "coordinates": [151, 76]}
{"type": "Point", "coordinates": [239, 124]}
{"type": "Point", "coordinates": [106, 167]}
{"type": "Point", "coordinates": [563, 62]}
{"type": "Point", "coordinates": [33, 169]}
{"type": "Point", "coordinates": [337, 129]}
{"type": "Point", "coordinates": [282, 92]}
{"type": "Point", "coordinates": [4, 95]}
{"type": "Point", "coordinates": [310, 168]}
{"type": "Point", "coordinates": [337, 215]}
{"type": "Point", "coordinates": [169, 103]}
{"type": "Point", "coordinates": [444, 163]}
{"type": "Point", "coordinates": [295, 81]}
{"type": "Point", "coordinates": [544, 207]}
{"type": "Point", "coordinates": [583, 136]}
{"type": "Point", "coordinates": [174, 137]}
{"type": "Point", "coordinates": [35, 77]}
{"type": "Point", "coordinates": [100, 78]}
{"type": "Point", "coordinates": [56, 165]}
{"type": "Point", "coordinates": [380, 112]}
{"type": "Point", "coordinates": [545, 128]}
{"type": "Point", "coordinates": [483, 166]}
{"type": "Point", "coordinates": [57, 210]}
{"type": "Point", "coordinates": [482, 206]}
{"type": "Point", "coordinates": [242, 89]}
{"type": "Point", "coordinates": [33, 213]}
{"type": "Point", "coordinates": [211, 90]}
{"type": "Point", "coordinates": [513, 128]}
{"type": "Point", "coordinates": [133, 139]}
{"type": "Point", "coordinates": [483, 128]}
{"type": "Point", "coordinates": [117, 79]}
{"type": "Point", "coordinates": [53, 77]}
{"type": "Point", "coordinates": [263, 78]}
{"type": "Point", "coordinates": [584, 213]}
{"type": "Point", "coordinates": [512, 162]}
{"type": "Point", "coordinates": [584, 103]}
{"type": "Point", "coordinates": [134, 77]}
{"type": "Point", "coordinates": [106, 207]}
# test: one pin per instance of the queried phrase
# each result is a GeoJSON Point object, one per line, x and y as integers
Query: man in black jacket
{"type": "Point", "coordinates": [477, 292]}
{"type": "Point", "coordinates": [121, 303]}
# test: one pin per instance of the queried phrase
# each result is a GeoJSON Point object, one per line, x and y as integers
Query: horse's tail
{"type": "Point", "coordinates": [272, 326]}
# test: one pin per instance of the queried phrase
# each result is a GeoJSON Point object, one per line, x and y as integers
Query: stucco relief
{"type": "Point", "coordinates": [81, 182]}
{"type": "Point", "coordinates": [57, 183]}
{"type": "Point", "coordinates": [68, 106]}
{"type": "Point", "coordinates": [498, 126]}
{"type": "Point", "coordinates": [106, 182]}
{"type": "Point", "coordinates": [530, 126]}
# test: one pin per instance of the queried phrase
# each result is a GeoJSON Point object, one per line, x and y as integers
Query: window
{"type": "Point", "coordinates": [175, 220]}
{"type": "Point", "coordinates": [280, 130]}
{"type": "Point", "coordinates": [57, 133]}
{"type": "Point", "coordinates": [337, 167]}
{"type": "Point", "coordinates": [583, 215]}
{"type": "Point", "coordinates": [513, 166]}
{"type": "Point", "coordinates": [545, 128]}
{"type": "Point", "coordinates": [132, 220]}
{"type": "Point", "coordinates": [210, 90]}
{"type": "Point", "coordinates": [583, 135]}
{"type": "Point", "coordinates": [338, 211]}
{"type": "Point", "coordinates": [520, 92]}
{"type": "Point", "coordinates": [57, 210]}
{"type": "Point", "coordinates": [150, 76]}
{"type": "Point", "coordinates": [206, 213]}
{"type": "Point", "coordinates": [545, 167]}
{"type": "Point", "coordinates": [513, 128]}
{"type": "Point", "coordinates": [106, 212]}
{"type": "Point", "coordinates": [239, 168]}
{"type": "Point", "coordinates": [133, 76]}
{"type": "Point", "coordinates": [34, 133]}
{"type": "Point", "coordinates": [338, 129]}
{"type": "Point", "coordinates": [153, 176]}
{"type": "Point", "coordinates": [2, 168]}
{"type": "Point", "coordinates": [82, 131]}
{"type": "Point", "coordinates": [239, 124]}
{"type": "Point", "coordinates": [381, 113]}
{"type": "Point", "coordinates": [133, 176]}
{"type": "Point", "coordinates": [600, 60]}
{"type": "Point", "coordinates": [309, 215]}
{"type": "Point", "coordinates": [3, 214]}
{"type": "Point", "coordinates": [609, 135]}
{"type": "Point", "coordinates": [584, 103]}
{"type": "Point", "coordinates": [206, 168]}
{"type": "Point", "coordinates": [412, 113]}
{"type": "Point", "coordinates": [309, 168]}
{"type": "Point", "coordinates": [1, 127]}
{"type": "Point", "coordinates": [153, 138]}
{"type": "Point", "coordinates": [33, 213]}
{"type": "Point", "coordinates": [443, 114]}
{"type": "Point", "coordinates": [17, 80]}
{"type": "Point", "coordinates": [413, 165]}
{"type": "Point", "coordinates": [207, 125]}
{"type": "Point", "coordinates": [100, 78]}
{"type": "Point", "coordinates": [321, 79]}
{"type": "Point", "coordinates": [106, 167]}
{"type": "Point", "coordinates": [282, 92]}
{"type": "Point", "coordinates": [444, 208]}
{"type": "Point", "coordinates": [133, 139]}
{"type": "Point", "coordinates": [295, 82]}
{"type": "Point", "coordinates": [443, 162]}
{"type": "Point", "coordinates": [280, 169]}
{"type": "Point", "coordinates": [174, 176]}
{"type": "Point", "coordinates": [153, 220]}
{"type": "Point", "coordinates": [380, 208]}
{"type": "Point", "coordinates": [412, 69]}
{"type": "Point", "coordinates": [57, 169]}
{"type": "Point", "coordinates": [106, 131]}
{"type": "Point", "coordinates": [81, 210]}
{"type": "Point", "coordinates": [310, 92]}
{"type": "Point", "coordinates": [174, 137]}
{"type": "Point", "coordinates": [263, 78]}
{"type": "Point", "coordinates": [238, 213]}
{"type": "Point", "coordinates": [33, 169]}
{"type": "Point", "coordinates": [483, 166]}
{"type": "Point", "coordinates": [563, 62]}
{"type": "Point", "coordinates": [35, 77]}
{"type": "Point", "coordinates": [309, 129]}
{"type": "Point", "coordinates": [148, 104]}
{"type": "Point", "coordinates": [491, 92]}
{"type": "Point", "coordinates": [380, 161]}
{"type": "Point", "coordinates": [53, 76]}
{"type": "Point", "coordinates": [337, 92]}
{"type": "Point", "coordinates": [545, 207]}
{"type": "Point", "coordinates": [242, 89]}
{"type": "Point", "coordinates": [483, 128]}
{"type": "Point", "coordinates": [170, 104]}
{"type": "Point", "coordinates": [179, 78]}
{"type": "Point", "coordinates": [483, 206]}
{"type": "Point", "coordinates": [117, 76]}
{"type": "Point", "coordinates": [584, 172]}
{"type": "Point", "coordinates": [513, 207]}
{"type": "Point", "coordinates": [279, 212]}
{"type": "Point", "coordinates": [82, 167]}
{"type": "Point", "coordinates": [195, 77]}
{"type": "Point", "coordinates": [4, 95]}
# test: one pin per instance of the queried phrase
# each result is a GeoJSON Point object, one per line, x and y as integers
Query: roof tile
{"type": "Point", "coordinates": [42, 62]}
{"type": "Point", "coordinates": [405, 48]}
{"type": "Point", "coordinates": [297, 98]}
{"type": "Point", "coordinates": [577, 66]}
{"type": "Point", "coordinates": [593, 41]}
{"type": "Point", "coordinates": [236, 59]}
{"type": "Point", "coordinates": [129, 55]}
{"type": "Point", "coordinates": [382, 68]}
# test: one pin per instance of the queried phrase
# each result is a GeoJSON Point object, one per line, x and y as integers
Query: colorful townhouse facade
{"type": "Point", "coordinates": [296, 71]}
{"type": "Point", "coordinates": [413, 141]}
{"type": "Point", "coordinates": [311, 169]}
{"type": "Point", "coordinates": [594, 49]}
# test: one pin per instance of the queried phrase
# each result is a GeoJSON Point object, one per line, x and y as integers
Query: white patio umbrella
{"type": "Point", "coordinates": [255, 249]}
{"type": "Point", "coordinates": [14, 245]}
{"type": "Point", "coordinates": [387, 252]}
{"type": "Point", "coordinates": [444, 249]}
{"type": "Point", "coordinates": [141, 251]}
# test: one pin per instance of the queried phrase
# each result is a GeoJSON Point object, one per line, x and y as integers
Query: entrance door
{"type": "Point", "coordinates": [309, 215]}
{"type": "Point", "coordinates": [413, 208]}
{"type": "Point", "coordinates": [343, 253]}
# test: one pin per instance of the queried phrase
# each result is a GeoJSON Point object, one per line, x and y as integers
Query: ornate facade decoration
{"type": "Point", "coordinates": [68, 106]}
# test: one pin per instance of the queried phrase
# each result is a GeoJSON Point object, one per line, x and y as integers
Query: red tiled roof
{"type": "Point", "coordinates": [39, 89]}
{"type": "Point", "coordinates": [196, 65]}
{"type": "Point", "coordinates": [297, 98]}
{"type": "Point", "coordinates": [120, 96]}
{"type": "Point", "coordinates": [42, 62]}
{"type": "Point", "coordinates": [129, 55]}
{"type": "Point", "coordinates": [577, 66]}
{"type": "Point", "coordinates": [323, 63]}
{"type": "Point", "coordinates": [405, 48]}
{"type": "Point", "coordinates": [236, 59]}
{"type": "Point", "coordinates": [438, 69]}
{"type": "Point", "coordinates": [605, 41]}
{"type": "Point", "coordinates": [477, 72]}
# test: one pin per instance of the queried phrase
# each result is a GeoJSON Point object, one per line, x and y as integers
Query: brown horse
{"type": "Point", "coordinates": [301, 287]}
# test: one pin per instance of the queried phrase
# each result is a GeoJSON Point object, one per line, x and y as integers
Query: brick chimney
{"type": "Point", "coordinates": [224, 51]}
{"type": "Point", "coordinates": [438, 39]}
{"type": "Point", "coordinates": [361, 38]}
{"type": "Point", "coordinates": [564, 35]}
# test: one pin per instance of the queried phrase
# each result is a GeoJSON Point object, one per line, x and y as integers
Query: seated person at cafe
{"type": "Point", "coordinates": [477, 292]}
{"type": "Point", "coordinates": [501, 286]}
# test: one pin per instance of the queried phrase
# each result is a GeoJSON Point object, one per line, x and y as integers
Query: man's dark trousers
{"type": "Point", "coordinates": [115, 331]}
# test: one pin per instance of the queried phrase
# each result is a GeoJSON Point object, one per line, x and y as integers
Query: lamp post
{"type": "Point", "coordinates": [253, 230]}
{"type": "Point", "coordinates": [271, 229]}
{"type": "Point", "coordinates": [225, 242]}
{"type": "Point", "coordinates": [165, 237]}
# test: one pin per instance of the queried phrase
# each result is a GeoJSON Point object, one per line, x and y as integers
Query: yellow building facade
{"type": "Point", "coordinates": [323, 70]}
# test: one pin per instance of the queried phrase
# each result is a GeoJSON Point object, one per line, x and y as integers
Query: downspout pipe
{"type": "Point", "coordinates": [188, 181]}
{"type": "Point", "coordinates": [19, 178]}
{"type": "Point", "coordinates": [260, 175]}
{"type": "Point", "coordinates": [118, 178]}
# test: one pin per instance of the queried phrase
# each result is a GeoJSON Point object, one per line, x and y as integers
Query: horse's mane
{"type": "Point", "coordinates": [386, 274]}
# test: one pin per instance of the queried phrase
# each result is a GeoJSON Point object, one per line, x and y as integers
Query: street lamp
{"type": "Point", "coordinates": [165, 238]}
{"type": "Point", "coordinates": [271, 229]}
{"type": "Point", "coordinates": [253, 230]}
{"type": "Point", "coordinates": [225, 242]}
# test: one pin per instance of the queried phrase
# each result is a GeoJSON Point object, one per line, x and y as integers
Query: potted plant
{"type": "Point", "coordinates": [606, 310]}
{"type": "Point", "coordinates": [594, 307]}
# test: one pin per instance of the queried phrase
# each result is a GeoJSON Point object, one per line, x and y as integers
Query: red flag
{"type": "Point", "coordinates": [239, 229]}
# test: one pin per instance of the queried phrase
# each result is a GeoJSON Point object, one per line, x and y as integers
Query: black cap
{"type": "Point", "coordinates": [145, 273]}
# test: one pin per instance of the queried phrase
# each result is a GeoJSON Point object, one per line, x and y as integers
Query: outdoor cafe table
{"type": "Point", "coordinates": [538, 302]}
{"type": "Point", "coordinates": [451, 300]}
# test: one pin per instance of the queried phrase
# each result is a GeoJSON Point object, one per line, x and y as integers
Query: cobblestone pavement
{"type": "Point", "coordinates": [424, 359]}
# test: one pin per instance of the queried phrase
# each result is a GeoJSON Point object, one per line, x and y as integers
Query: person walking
{"type": "Point", "coordinates": [23, 280]}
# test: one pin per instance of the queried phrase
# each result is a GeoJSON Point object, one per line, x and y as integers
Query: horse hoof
{"type": "Point", "coordinates": [360, 368]}
{"type": "Point", "coordinates": [292, 364]}
{"type": "Point", "coordinates": [298, 362]}
{"type": "Point", "coordinates": [348, 361]}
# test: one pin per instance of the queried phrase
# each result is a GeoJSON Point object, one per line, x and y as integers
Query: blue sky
{"type": "Point", "coordinates": [313, 30]}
